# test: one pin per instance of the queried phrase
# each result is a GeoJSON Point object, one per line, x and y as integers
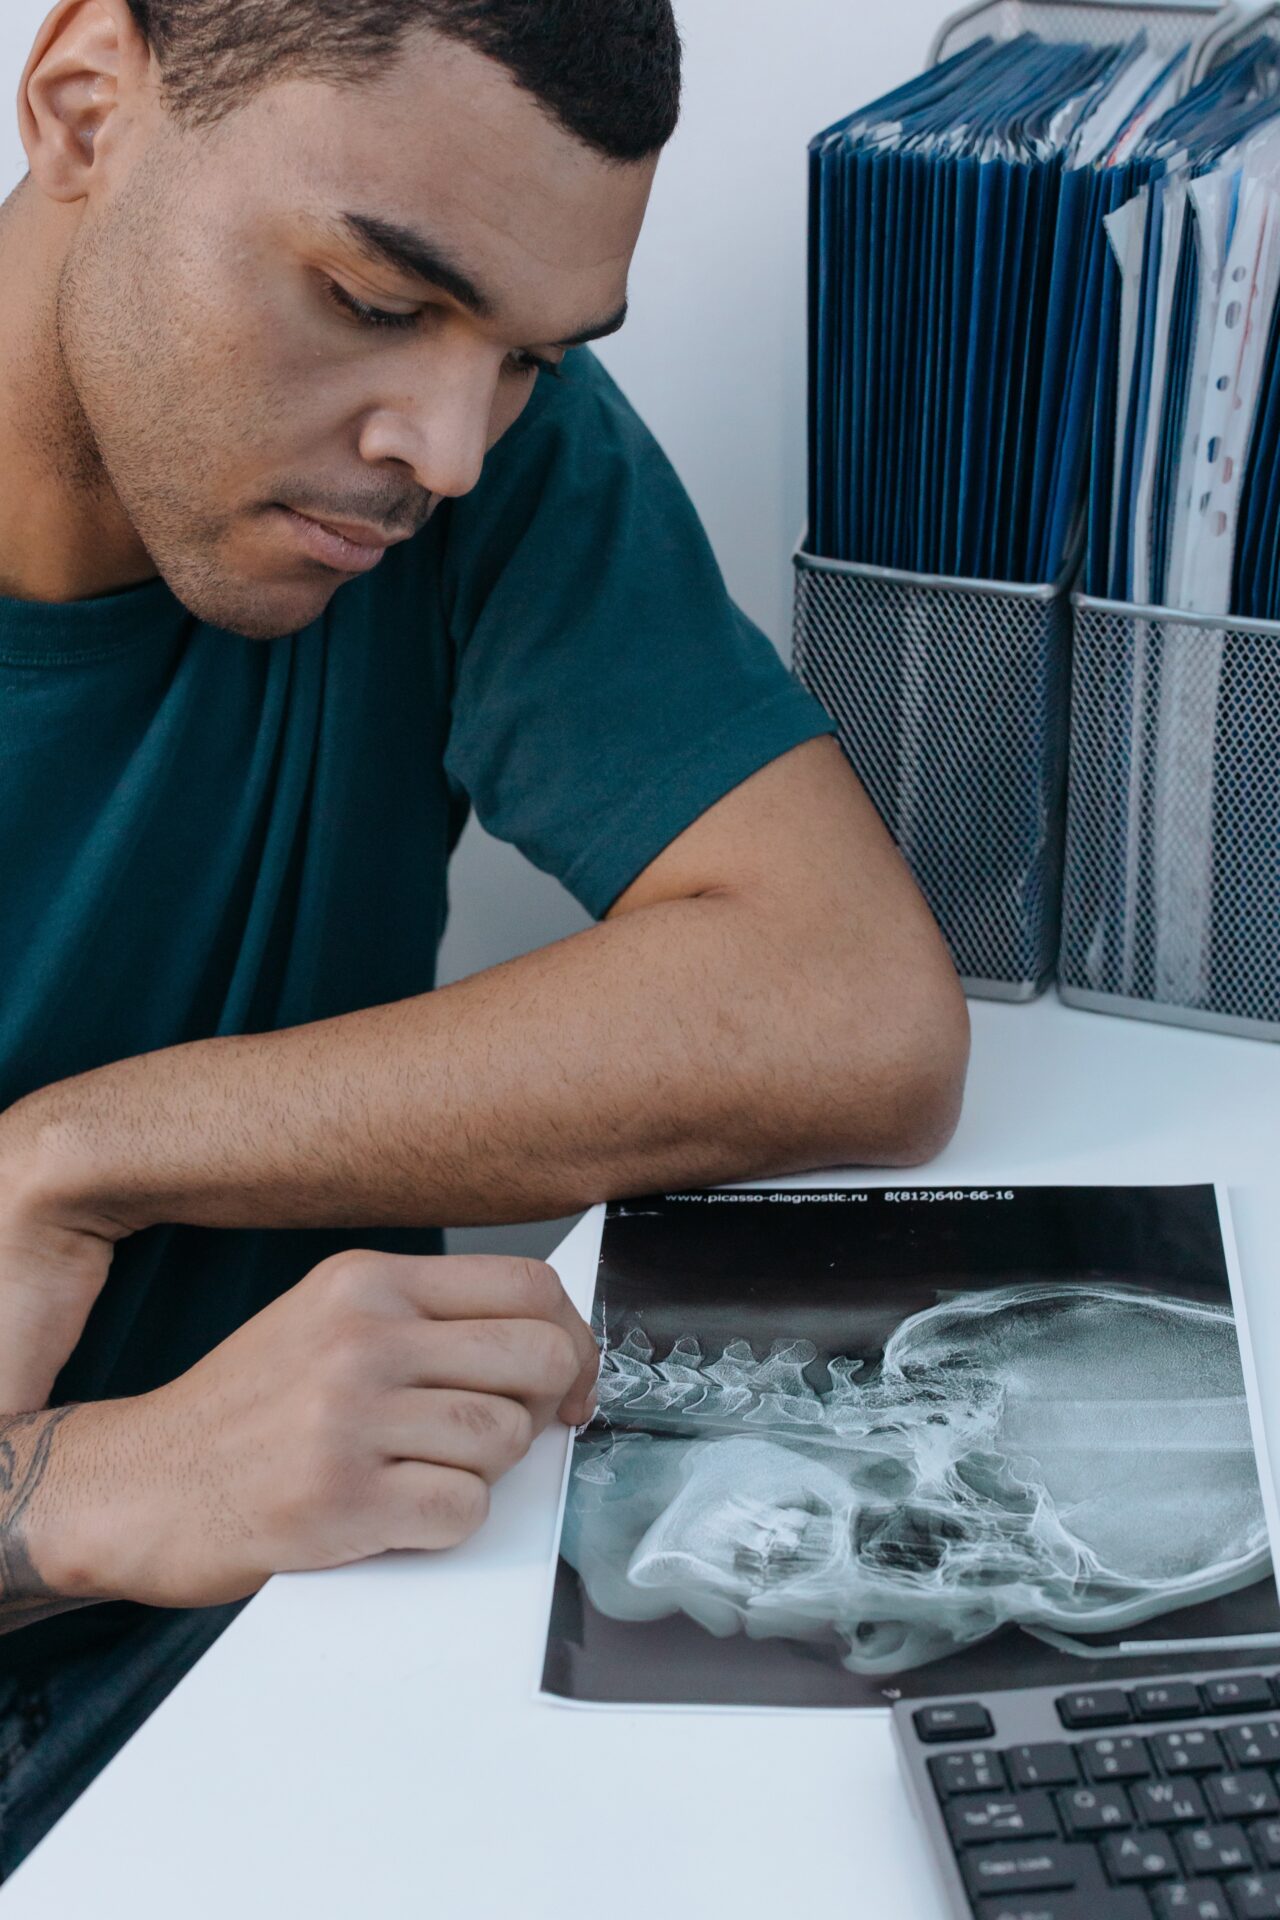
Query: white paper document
{"type": "Point", "coordinates": [866, 1444]}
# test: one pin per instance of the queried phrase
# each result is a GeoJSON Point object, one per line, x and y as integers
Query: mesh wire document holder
{"type": "Point", "coordinates": [1171, 888]}
{"type": "Point", "coordinates": [951, 696]}
{"type": "Point", "coordinates": [951, 701]}
{"type": "Point", "coordinates": [1091, 21]}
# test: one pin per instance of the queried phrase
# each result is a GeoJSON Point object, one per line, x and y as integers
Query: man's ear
{"type": "Point", "coordinates": [88, 56]}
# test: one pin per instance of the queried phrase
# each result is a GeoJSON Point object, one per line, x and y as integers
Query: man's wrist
{"type": "Point", "coordinates": [77, 1527]}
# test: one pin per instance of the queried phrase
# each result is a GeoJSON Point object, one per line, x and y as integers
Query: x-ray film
{"type": "Point", "coordinates": [868, 1444]}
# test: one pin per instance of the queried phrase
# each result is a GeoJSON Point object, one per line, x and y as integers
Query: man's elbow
{"type": "Point", "coordinates": [910, 1099]}
{"type": "Point", "coordinates": [933, 1093]}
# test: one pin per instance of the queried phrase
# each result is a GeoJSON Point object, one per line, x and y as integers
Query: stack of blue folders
{"type": "Point", "coordinates": [957, 276]}
{"type": "Point", "coordinates": [1184, 512]}
{"type": "Point", "coordinates": [1044, 316]}
{"type": "Point", "coordinates": [1185, 492]}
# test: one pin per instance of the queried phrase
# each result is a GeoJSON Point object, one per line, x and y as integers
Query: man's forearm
{"type": "Point", "coordinates": [30, 1506]}
{"type": "Point", "coordinates": [673, 1045]}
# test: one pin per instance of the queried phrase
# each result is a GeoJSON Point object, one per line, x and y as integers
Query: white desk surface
{"type": "Point", "coordinates": [366, 1742]}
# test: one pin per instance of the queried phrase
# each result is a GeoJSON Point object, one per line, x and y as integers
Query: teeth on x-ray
{"type": "Point", "coordinates": [1056, 1456]}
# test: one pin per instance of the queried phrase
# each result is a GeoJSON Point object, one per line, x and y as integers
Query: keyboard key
{"type": "Point", "coordinates": [1168, 1803]}
{"type": "Point", "coordinates": [1241, 1796]}
{"type": "Point", "coordinates": [1256, 1744]}
{"type": "Point", "coordinates": [1214, 1850]}
{"type": "Point", "coordinates": [960, 1720]}
{"type": "Point", "coordinates": [1139, 1856]}
{"type": "Point", "coordinates": [1119, 1903]}
{"type": "Point", "coordinates": [1265, 1838]}
{"type": "Point", "coordinates": [1194, 1752]}
{"type": "Point", "coordinates": [1167, 1700]}
{"type": "Point", "coordinates": [1122, 1757]}
{"type": "Point", "coordinates": [1049, 1763]}
{"type": "Point", "coordinates": [1191, 1900]}
{"type": "Point", "coordinates": [1028, 1867]}
{"type": "Point", "coordinates": [1257, 1897]}
{"type": "Point", "coordinates": [1012, 1816]}
{"type": "Point", "coordinates": [1107, 1707]}
{"type": "Point", "coordinates": [978, 1772]}
{"type": "Point", "coordinates": [1090, 1810]}
{"type": "Point", "coordinates": [1242, 1693]}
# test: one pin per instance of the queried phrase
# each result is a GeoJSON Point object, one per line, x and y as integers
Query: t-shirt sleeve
{"type": "Point", "coordinates": [607, 690]}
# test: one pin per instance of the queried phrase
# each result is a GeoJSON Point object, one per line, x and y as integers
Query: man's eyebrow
{"type": "Point", "coordinates": [597, 332]}
{"type": "Point", "coordinates": [413, 253]}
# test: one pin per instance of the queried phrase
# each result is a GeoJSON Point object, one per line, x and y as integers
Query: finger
{"type": "Point", "coordinates": [487, 1287]}
{"type": "Point", "coordinates": [430, 1506]}
{"type": "Point", "coordinates": [526, 1360]}
{"type": "Point", "coordinates": [483, 1433]}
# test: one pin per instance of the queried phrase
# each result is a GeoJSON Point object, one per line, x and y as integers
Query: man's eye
{"type": "Point", "coordinates": [368, 316]}
{"type": "Point", "coordinates": [521, 361]}
{"type": "Point", "coordinates": [524, 362]}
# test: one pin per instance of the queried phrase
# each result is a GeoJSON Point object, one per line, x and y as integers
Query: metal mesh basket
{"type": "Point", "coordinates": [952, 696]}
{"type": "Point", "coordinates": [951, 699]}
{"type": "Point", "coordinates": [1089, 21]}
{"type": "Point", "coordinates": [1171, 890]}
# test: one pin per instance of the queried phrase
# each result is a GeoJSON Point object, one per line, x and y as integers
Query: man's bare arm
{"type": "Point", "coordinates": [771, 995]}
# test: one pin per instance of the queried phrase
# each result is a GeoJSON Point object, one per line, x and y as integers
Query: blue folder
{"type": "Point", "coordinates": [955, 305]}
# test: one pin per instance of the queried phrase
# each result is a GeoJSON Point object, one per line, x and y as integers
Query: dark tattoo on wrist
{"type": "Point", "coordinates": [26, 1440]}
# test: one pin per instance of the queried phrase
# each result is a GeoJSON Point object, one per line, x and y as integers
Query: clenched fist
{"type": "Point", "coordinates": [370, 1407]}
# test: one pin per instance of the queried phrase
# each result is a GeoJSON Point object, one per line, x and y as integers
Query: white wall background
{"type": "Point", "coordinates": [713, 353]}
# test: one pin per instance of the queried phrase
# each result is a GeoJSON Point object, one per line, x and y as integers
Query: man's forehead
{"type": "Point", "coordinates": [446, 169]}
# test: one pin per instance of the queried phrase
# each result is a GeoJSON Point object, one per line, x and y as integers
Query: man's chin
{"type": "Point", "coordinates": [254, 609]}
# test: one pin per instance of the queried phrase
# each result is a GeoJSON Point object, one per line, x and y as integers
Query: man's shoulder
{"type": "Point", "coordinates": [583, 383]}
{"type": "Point", "coordinates": [556, 475]}
{"type": "Point", "coordinates": [584, 403]}
{"type": "Point", "coordinates": [577, 442]}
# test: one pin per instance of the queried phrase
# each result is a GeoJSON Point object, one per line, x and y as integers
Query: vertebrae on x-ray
{"type": "Point", "coordinates": [1063, 1457]}
{"type": "Point", "coordinates": [686, 1393]}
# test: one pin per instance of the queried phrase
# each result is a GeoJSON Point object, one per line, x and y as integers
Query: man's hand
{"type": "Point", "coordinates": [54, 1259]}
{"type": "Point", "coordinates": [370, 1407]}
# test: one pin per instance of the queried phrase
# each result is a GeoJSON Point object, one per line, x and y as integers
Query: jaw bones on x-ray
{"type": "Point", "coordinates": [1066, 1457]}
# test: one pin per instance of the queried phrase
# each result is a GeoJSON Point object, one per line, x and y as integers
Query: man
{"type": "Point", "coordinates": [316, 528]}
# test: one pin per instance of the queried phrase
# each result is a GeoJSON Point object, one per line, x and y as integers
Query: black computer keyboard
{"type": "Point", "coordinates": [1151, 1800]}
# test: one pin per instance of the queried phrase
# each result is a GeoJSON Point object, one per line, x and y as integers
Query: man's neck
{"type": "Point", "coordinates": [63, 533]}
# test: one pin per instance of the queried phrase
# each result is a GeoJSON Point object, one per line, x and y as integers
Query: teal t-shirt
{"type": "Point", "coordinates": [204, 834]}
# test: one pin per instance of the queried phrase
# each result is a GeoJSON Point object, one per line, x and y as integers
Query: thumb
{"type": "Point", "coordinates": [579, 1404]}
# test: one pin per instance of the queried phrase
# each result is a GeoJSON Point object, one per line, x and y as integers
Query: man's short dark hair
{"type": "Point", "coordinates": [607, 70]}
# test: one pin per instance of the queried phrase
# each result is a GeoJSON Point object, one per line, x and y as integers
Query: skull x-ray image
{"type": "Point", "coordinates": [857, 1445]}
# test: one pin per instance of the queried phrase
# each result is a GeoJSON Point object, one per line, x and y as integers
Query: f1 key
{"type": "Point", "coordinates": [1108, 1707]}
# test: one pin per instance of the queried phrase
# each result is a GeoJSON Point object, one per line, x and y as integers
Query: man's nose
{"type": "Point", "coordinates": [440, 431]}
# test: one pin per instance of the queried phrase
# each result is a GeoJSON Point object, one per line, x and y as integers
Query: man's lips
{"type": "Point", "coordinates": [345, 544]}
